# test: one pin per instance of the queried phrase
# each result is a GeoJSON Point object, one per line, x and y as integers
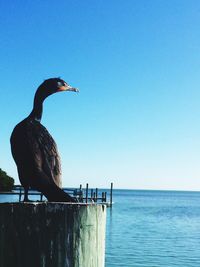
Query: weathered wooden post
{"type": "Point", "coordinates": [52, 235]}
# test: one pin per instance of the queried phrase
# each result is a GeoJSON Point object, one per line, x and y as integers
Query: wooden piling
{"type": "Point", "coordinates": [52, 235]}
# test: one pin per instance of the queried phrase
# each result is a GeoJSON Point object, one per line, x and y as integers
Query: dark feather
{"type": "Point", "coordinates": [45, 150]}
{"type": "Point", "coordinates": [37, 159]}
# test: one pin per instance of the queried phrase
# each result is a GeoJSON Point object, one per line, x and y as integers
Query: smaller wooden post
{"type": "Point", "coordinates": [96, 194]}
{"type": "Point", "coordinates": [91, 194]}
{"type": "Point", "coordinates": [86, 193]}
{"type": "Point", "coordinates": [20, 194]}
{"type": "Point", "coordinates": [111, 192]}
{"type": "Point", "coordinates": [102, 197]}
{"type": "Point", "coordinates": [105, 196]}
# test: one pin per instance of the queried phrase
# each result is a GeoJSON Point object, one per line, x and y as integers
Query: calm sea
{"type": "Point", "coordinates": [152, 229]}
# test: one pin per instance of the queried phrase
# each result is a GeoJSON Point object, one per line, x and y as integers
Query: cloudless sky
{"type": "Point", "coordinates": [136, 121]}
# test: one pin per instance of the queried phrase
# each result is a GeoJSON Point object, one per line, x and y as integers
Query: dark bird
{"type": "Point", "coordinates": [35, 151]}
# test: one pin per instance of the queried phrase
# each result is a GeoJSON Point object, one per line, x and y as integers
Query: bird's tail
{"type": "Point", "coordinates": [55, 194]}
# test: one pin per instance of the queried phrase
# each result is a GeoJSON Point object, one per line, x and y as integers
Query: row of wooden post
{"type": "Point", "coordinates": [94, 194]}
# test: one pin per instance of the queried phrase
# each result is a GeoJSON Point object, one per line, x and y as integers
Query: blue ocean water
{"type": "Point", "coordinates": [153, 229]}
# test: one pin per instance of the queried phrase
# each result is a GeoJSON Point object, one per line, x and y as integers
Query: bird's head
{"type": "Point", "coordinates": [47, 88]}
{"type": "Point", "coordinates": [54, 85]}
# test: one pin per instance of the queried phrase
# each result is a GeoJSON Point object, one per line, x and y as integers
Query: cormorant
{"type": "Point", "coordinates": [34, 150]}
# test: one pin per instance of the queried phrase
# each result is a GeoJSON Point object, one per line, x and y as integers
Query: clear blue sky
{"type": "Point", "coordinates": [136, 121]}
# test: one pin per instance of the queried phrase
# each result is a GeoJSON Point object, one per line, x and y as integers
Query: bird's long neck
{"type": "Point", "coordinates": [36, 113]}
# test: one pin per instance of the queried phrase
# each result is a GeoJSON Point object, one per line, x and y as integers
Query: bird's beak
{"type": "Point", "coordinates": [67, 87]}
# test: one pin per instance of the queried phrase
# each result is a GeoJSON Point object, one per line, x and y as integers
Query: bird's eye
{"type": "Point", "coordinates": [60, 84]}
